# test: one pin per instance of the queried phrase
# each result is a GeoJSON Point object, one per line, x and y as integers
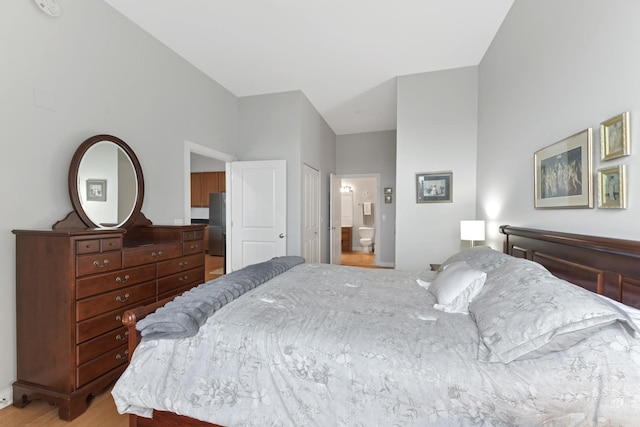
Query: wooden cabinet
{"type": "Point", "coordinates": [72, 288]}
{"type": "Point", "coordinates": [346, 239]}
{"type": "Point", "coordinates": [203, 183]}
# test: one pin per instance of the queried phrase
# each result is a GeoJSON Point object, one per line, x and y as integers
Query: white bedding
{"type": "Point", "coordinates": [324, 345]}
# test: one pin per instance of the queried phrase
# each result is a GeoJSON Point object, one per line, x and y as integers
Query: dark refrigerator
{"type": "Point", "coordinates": [217, 224]}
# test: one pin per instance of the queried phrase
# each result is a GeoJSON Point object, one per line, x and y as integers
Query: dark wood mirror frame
{"type": "Point", "coordinates": [78, 218]}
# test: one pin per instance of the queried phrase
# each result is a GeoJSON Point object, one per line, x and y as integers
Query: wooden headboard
{"type": "Point", "coordinates": [610, 267]}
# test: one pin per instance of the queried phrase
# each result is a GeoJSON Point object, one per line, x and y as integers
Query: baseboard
{"type": "Point", "coordinates": [6, 397]}
{"type": "Point", "coordinates": [386, 264]}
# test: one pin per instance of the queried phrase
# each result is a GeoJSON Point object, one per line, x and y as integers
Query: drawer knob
{"type": "Point", "coordinates": [104, 263]}
{"type": "Point", "coordinates": [183, 278]}
{"type": "Point", "coordinates": [121, 280]}
{"type": "Point", "coordinates": [194, 247]}
{"type": "Point", "coordinates": [119, 318]}
{"type": "Point", "coordinates": [120, 356]}
{"type": "Point", "coordinates": [183, 264]}
{"type": "Point", "coordinates": [120, 299]}
{"type": "Point", "coordinates": [157, 255]}
{"type": "Point", "coordinates": [122, 338]}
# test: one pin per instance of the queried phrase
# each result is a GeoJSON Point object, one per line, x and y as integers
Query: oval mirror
{"type": "Point", "coordinates": [105, 183]}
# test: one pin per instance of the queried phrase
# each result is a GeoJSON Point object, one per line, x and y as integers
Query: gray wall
{"type": "Point", "coordinates": [437, 129]}
{"type": "Point", "coordinates": [373, 153]}
{"type": "Point", "coordinates": [102, 74]}
{"type": "Point", "coordinates": [319, 152]}
{"type": "Point", "coordinates": [285, 126]}
{"type": "Point", "coordinates": [556, 68]}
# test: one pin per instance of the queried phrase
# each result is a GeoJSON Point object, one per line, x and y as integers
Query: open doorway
{"type": "Point", "coordinates": [206, 197]}
{"type": "Point", "coordinates": [360, 221]}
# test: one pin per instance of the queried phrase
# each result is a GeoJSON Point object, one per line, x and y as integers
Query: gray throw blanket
{"type": "Point", "coordinates": [183, 316]}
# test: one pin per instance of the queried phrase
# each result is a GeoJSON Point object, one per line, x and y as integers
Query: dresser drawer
{"type": "Point", "coordinates": [101, 365]}
{"type": "Point", "coordinates": [93, 306]}
{"type": "Point", "coordinates": [180, 280]}
{"type": "Point", "coordinates": [113, 244]}
{"type": "Point", "coordinates": [193, 247]}
{"type": "Point", "coordinates": [179, 264]}
{"type": "Point", "coordinates": [177, 291]}
{"type": "Point", "coordinates": [96, 347]}
{"type": "Point", "coordinates": [106, 282]}
{"type": "Point", "coordinates": [106, 322]}
{"type": "Point", "coordinates": [150, 254]}
{"type": "Point", "coordinates": [98, 263]}
{"type": "Point", "coordinates": [87, 246]}
{"type": "Point", "coordinates": [193, 235]}
{"type": "Point", "coordinates": [91, 246]}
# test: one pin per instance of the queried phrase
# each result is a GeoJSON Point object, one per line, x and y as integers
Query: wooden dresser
{"type": "Point", "coordinates": [72, 287]}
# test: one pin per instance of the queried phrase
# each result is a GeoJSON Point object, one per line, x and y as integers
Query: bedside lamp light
{"type": "Point", "coordinates": [472, 230]}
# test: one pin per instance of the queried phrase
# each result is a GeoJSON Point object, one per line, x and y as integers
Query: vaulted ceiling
{"type": "Point", "coordinates": [343, 55]}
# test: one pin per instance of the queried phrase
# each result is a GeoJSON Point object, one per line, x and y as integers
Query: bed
{"type": "Point", "coordinates": [494, 338]}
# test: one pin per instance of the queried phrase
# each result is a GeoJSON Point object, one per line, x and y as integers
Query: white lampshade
{"type": "Point", "coordinates": [472, 230]}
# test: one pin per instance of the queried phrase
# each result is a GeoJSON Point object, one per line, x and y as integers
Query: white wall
{"type": "Point", "coordinates": [100, 74]}
{"type": "Point", "coordinates": [437, 128]}
{"type": "Point", "coordinates": [556, 68]}
{"type": "Point", "coordinates": [373, 153]}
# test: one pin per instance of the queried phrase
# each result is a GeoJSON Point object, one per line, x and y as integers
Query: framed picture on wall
{"type": "Point", "coordinates": [434, 187]}
{"type": "Point", "coordinates": [563, 173]}
{"type": "Point", "coordinates": [612, 187]}
{"type": "Point", "coordinates": [614, 137]}
{"type": "Point", "coordinates": [97, 190]}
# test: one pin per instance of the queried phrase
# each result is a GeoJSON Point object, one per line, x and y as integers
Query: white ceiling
{"type": "Point", "coordinates": [343, 55]}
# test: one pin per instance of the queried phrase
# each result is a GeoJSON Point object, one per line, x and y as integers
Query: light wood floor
{"type": "Point", "coordinates": [359, 259]}
{"type": "Point", "coordinates": [101, 413]}
{"type": "Point", "coordinates": [213, 267]}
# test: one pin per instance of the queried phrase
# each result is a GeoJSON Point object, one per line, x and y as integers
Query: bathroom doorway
{"type": "Point", "coordinates": [360, 199]}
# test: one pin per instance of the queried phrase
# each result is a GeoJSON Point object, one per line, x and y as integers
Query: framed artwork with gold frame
{"type": "Point", "coordinates": [612, 192]}
{"type": "Point", "coordinates": [563, 173]}
{"type": "Point", "coordinates": [614, 137]}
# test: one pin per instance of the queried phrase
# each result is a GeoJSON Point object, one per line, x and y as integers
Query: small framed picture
{"type": "Point", "coordinates": [388, 190]}
{"type": "Point", "coordinates": [434, 187]}
{"type": "Point", "coordinates": [614, 137]}
{"type": "Point", "coordinates": [388, 198]}
{"type": "Point", "coordinates": [97, 190]}
{"type": "Point", "coordinates": [612, 187]}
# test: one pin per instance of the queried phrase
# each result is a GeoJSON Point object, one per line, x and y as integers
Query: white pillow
{"type": "Point", "coordinates": [456, 286]}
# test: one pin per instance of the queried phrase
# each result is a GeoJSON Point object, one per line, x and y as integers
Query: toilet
{"type": "Point", "coordinates": [366, 238]}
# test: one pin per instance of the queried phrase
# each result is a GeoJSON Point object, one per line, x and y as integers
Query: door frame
{"type": "Point", "coordinates": [379, 241]}
{"type": "Point", "coordinates": [194, 148]}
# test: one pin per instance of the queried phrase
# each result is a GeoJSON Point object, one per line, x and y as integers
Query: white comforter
{"type": "Point", "coordinates": [324, 345]}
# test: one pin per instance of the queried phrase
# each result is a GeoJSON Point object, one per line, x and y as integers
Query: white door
{"type": "Point", "coordinates": [258, 211]}
{"type": "Point", "coordinates": [335, 213]}
{"type": "Point", "coordinates": [310, 214]}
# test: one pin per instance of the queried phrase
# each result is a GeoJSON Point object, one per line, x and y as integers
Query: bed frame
{"type": "Point", "coordinates": [610, 267]}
